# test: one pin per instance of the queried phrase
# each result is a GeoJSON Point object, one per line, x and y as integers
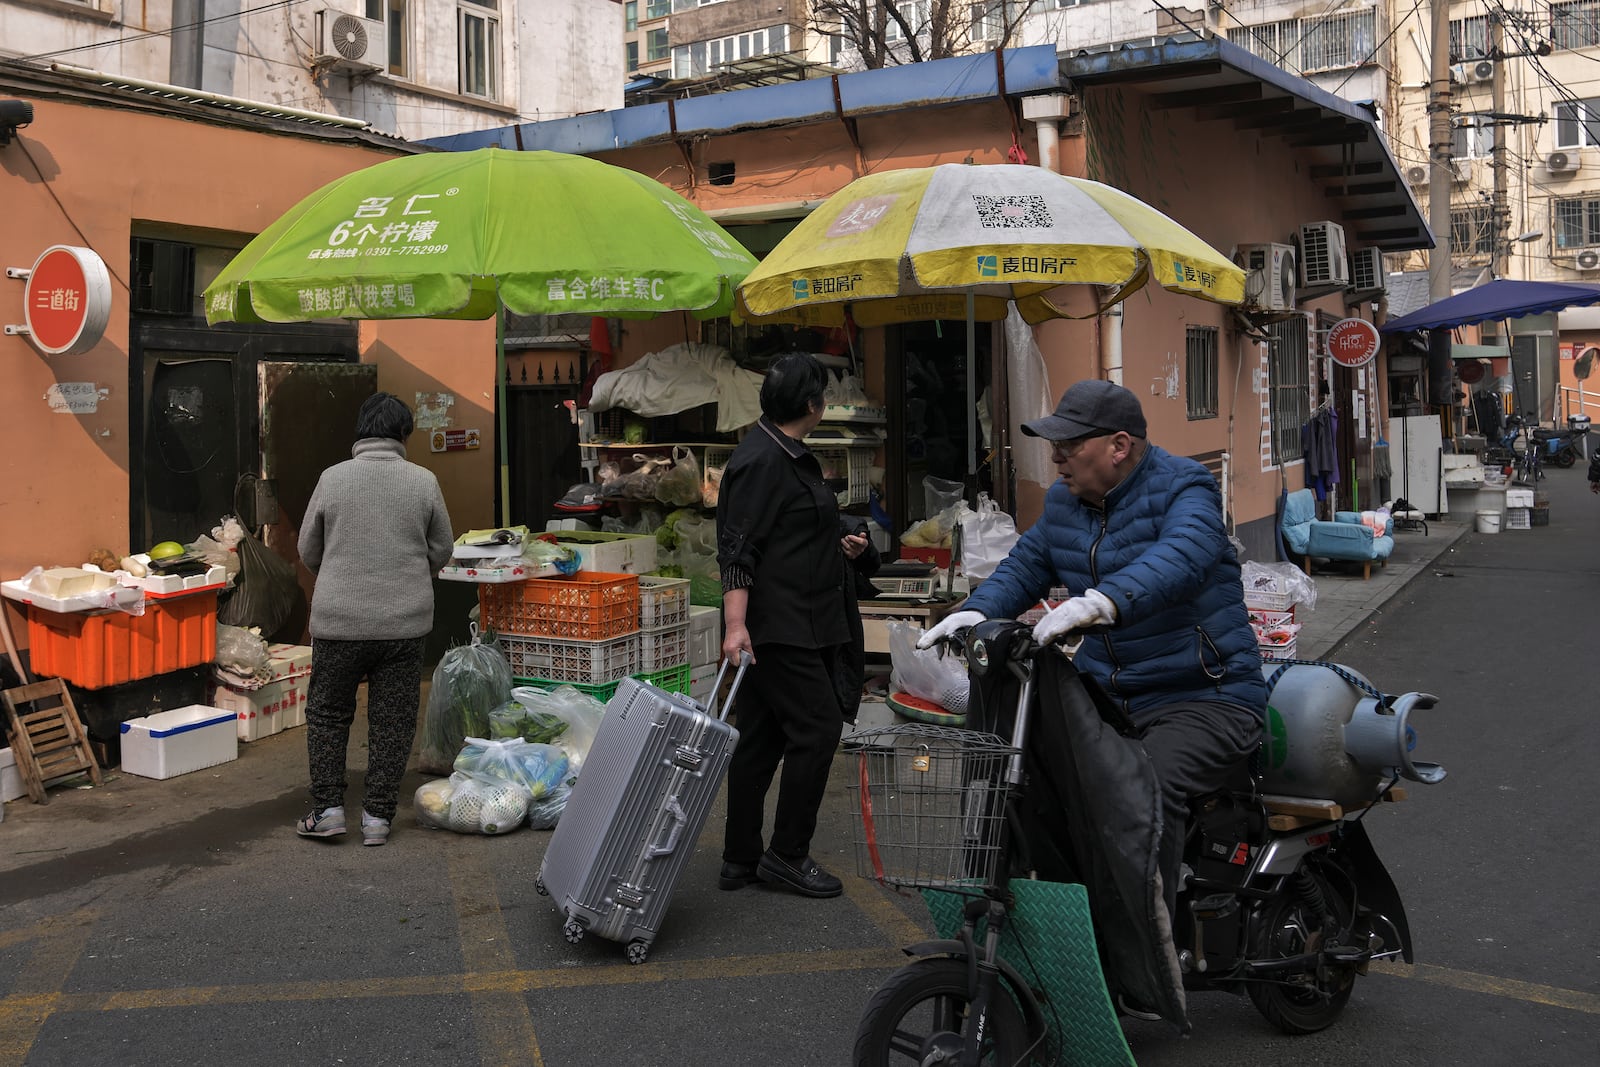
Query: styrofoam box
{"type": "Point", "coordinates": [277, 706]}
{"type": "Point", "coordinates": [170, 743]}
{"type": "Point", "coordinates": [11, 786]}
{"type": "Point", "coordinates": [705, 636]}
{"type": "Point", "coordinates": [298, 659]}
{"type": "Point", "coordinates": [1519, 498]}
{"type": "Point", "coordinates": [611, 553]}
{"type": "Point", "coordinates": [701, 679]}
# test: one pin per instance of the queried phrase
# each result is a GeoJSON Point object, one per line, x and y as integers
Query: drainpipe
{"type": "Point", "coordinates": [1047, 112]}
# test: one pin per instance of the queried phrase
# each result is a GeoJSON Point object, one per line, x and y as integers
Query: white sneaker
{"type": "Point", "coordinates": [328, 822]}
{"type": "Point", "coordinates": [374, 831]}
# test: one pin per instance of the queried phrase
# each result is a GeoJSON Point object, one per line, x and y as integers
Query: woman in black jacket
{"type": "Point", "coordinates": [788, 601]}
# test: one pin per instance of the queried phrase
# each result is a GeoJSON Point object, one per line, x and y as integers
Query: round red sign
{"type": "Point", "coordinates": [1353, 342]}
{"type": "Point", "coordinates": [68, 300]}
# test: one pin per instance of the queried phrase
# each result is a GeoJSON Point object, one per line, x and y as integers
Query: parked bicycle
{"type": "Point", "coordinates": [1287, 908]}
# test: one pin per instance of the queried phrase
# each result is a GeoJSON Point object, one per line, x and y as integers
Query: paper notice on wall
{"type": "Point", "coordinates": [433, 410]}
{"type": "Point", "coordinates": [1358, 404]}
{"type": "Point", "coordinates": [74, 398]}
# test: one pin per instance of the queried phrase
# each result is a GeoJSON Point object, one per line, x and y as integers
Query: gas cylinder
{"type": "Point", "coordinates": [1331, 735]}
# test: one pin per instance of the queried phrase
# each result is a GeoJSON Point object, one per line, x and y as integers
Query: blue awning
{"type": "Point", "coordinates": [1502, 299]}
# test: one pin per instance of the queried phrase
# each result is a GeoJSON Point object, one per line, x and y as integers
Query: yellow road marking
{"type": "Point", "coordinates": [500, 1016]}
{"type": "Point", "coordinates": [897, 927]}
{"type": "Point", "coordinates": [1507, 988]}
{"type": "Point", "coordinates": [37, 989]}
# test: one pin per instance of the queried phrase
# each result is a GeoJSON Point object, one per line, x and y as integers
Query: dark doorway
{"type": "Point", "coordinates": [928, 401]}
{"type": "Point", "coordinates": [544, 450]}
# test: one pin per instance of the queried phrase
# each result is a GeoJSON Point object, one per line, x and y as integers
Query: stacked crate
{"type": "Point", "coordinates": [664, 633]}
{"type": "Point", "coordinates": [1272, 618]}
{"type": "Point", "coordinates": [581, 630]}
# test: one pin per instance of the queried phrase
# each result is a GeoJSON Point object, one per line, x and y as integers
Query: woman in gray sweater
{"type": "Point", "coordinates": [375, 534]}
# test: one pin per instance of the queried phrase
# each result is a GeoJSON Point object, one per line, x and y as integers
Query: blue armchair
{"type": "Point", "coordinates": [1347, 538]}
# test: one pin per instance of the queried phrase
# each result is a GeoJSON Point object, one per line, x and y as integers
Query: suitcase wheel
{"type": "Point", "coordinates": [637, 951]}
{"type": "Point", "coordinates": [538, 885]}
{"type": "Point", "coordinates": [573, 931]}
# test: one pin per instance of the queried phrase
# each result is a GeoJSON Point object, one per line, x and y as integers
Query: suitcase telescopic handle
{"type": "Point", "coordinates": [722, 712]}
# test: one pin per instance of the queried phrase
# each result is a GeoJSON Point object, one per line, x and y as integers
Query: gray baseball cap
{"type": "Point", "coordinates": [1088, 408]}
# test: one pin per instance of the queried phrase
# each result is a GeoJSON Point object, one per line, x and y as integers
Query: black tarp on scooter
{"type": "Point", "coordinates": [1092, 814]}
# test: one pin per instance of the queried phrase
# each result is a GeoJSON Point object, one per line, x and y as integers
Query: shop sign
{"type": "Point", "coordinates": [68, 300]}
{"type": "Point", "coordinates": [454, 440]}
{"type": "Point", "coordinates": [1353, 342]}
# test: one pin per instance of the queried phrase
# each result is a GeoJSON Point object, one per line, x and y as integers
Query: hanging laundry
{"type": "Point", "coordinates": [1318, 442]}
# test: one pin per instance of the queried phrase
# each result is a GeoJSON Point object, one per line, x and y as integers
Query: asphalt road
{"type": "Point", "coordinates": [182, 922]}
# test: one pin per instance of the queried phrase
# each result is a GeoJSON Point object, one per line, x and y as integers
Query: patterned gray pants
{"type": "Point", "coordinates": [393, 673]}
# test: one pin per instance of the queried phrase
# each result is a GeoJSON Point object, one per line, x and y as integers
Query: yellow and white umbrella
{"type": "Point", "coordinates": [908, 245]}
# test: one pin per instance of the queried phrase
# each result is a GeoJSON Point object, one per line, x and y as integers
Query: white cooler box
{"type": "Point", "coordinates": [277, 706]}
{"type": "Point", "coordinates": [170, 743]}
{"type": "Point", "coordinates": [705, 636]}
{"type": "Point", "coordinates": [11, 786]}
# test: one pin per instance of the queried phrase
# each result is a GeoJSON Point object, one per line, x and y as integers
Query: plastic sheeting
{"type": "Point", "coordinates": [1031, 398]}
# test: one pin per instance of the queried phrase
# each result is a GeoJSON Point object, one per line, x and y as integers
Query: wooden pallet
{"type": "Point", "coordinates": [1292, 813]}
{"type": "Point", "coordinates": [47, 737]}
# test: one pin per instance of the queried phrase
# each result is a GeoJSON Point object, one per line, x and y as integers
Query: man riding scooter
{"type": "Point", "coordinates": [1136, 534]}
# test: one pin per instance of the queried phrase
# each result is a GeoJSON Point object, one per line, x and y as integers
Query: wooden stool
{"type": "Point", "coordinates": [47, 737]}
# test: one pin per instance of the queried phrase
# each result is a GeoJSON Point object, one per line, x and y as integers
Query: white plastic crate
{"type": "Point", "coordinates": [662, 649]}
{"type": "Point", "coordinates": [170, 743]}
{"type": "Point", "coordinates": [588, 662]}
{"type": "Point", "coordinates": [1271, 653]}
{"type": "Point", "coordinates": [850, 464]}
{"type": "Point", "coordinates": [1519, 498]}
{"type": "Point", "coordinates": [663, 602]}
{"type": "Point", "coordinates": [1519, 519]}
{"type": "Point", "coordinates": [701, 681]}
{"type": "Point", "coordinates": [11, 786]}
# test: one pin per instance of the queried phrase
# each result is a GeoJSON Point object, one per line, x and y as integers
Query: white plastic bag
{"type": "Point", "coordinates": [987, 537]}
{"type": "Point", "coordinates": [680, 485]}
{"type": "Point", "coordinates": [924, 672]}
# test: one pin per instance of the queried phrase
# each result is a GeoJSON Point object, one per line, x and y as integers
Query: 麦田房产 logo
{"type": "Point", "coordinates": [989, 266]}
{"type": "Point", "coordinates": [802, 288]}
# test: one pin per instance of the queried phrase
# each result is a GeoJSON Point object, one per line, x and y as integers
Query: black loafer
{"type": "Point", "coordinates": [738, 875]}
{"type": "Point", "coordinates": [805, 877]}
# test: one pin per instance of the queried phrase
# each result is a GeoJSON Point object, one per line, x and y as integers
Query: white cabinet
{"type": "Point", "coordinates": [1416, 448]}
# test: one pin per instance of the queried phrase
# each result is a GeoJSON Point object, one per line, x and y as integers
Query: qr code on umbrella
{"type": "Point", "coordinates": [1011, 212]}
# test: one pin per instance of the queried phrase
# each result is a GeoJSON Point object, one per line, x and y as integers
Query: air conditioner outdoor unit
{"type": "Point", "coordinates": [1561, 163]}
{"type": "Point", "coordinates": [1366, 271]}
{"type": "Point", "coordinates": [351, 42]}
{"type": "Point", "coordinates": [1482, 70]}
{"type": "Point", "coordinates": [1588, 259]}
{"type": "Point", "coordinates": [1461, 171]}
{"type": "Point", "coordinates": [1417, 174]}
{"type": "Point", "coordinates": [1269, 276]}
{"type": "Point", "coordinates": [1322, 255]}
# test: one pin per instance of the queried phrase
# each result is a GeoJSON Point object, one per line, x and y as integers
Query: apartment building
{"type": "Point", "coordinates": [411, 68]}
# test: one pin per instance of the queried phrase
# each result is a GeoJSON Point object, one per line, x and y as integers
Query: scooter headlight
{"type": "Point", "coordinates": [978, 655]}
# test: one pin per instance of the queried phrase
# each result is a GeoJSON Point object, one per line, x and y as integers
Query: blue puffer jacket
{"type": "Point", "coordinates": [1157, 549]}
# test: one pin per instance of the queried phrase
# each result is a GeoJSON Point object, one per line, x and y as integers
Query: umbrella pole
{"type": "Point", "coordinates": [972, 393]}
{"type": "Point", "coordinates": [500, 411]}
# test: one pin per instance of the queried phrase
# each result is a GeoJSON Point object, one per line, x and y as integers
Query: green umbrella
{"type": "Point", "coordinates": [468, 235]}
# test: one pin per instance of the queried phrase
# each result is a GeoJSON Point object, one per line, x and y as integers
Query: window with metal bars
{"type": "Point", "coordinates": [1472, 231]}
{"type": "Point", "coordinates": [1469, 38]}
{"type": "Point", "coordinates": [1288, 386]}
{"type": "Point", "coordinates": [1200, 378]}
{"type": "Point", "coordinates": [1576, 222]}
{"type": "Point", "coordinates": [1332, 42]}
{"type": "Point", "coordinates": [1575, 24]}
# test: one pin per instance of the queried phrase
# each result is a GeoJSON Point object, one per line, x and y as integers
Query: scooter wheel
{"type": "Point", "coordinates": [1307, 1002]}
{"type": "Point", "coordinates": [1565, 458]}
{"type": "Point", "coordinates": [921, 1009]}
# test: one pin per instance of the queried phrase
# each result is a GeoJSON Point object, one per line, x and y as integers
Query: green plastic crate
{"type": "Point", "coordinates": [673, 679]}
{"type": "Point", "coordinates": [601, 691]}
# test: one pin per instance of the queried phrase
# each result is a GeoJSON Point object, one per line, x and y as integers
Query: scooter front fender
{"type": "Point", "coordinates": [1032, 1014]}
{"type": "Point", "coordinates": [1374, 888]}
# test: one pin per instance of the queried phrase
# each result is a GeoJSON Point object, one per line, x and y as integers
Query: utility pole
{"type": "Point", "coordinates": [1502, 210]}
{"type": "Point", "coordinates": [1441, 383]}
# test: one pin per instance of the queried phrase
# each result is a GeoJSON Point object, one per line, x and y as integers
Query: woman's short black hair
{"type": "Point", "coordinates": [384, 415]}
{"type": "Point", "coordinates": [794, 384]}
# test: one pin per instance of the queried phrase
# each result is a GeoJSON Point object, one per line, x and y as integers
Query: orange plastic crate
{"type": "Point", "coordinates": [95, 651]}
{"type": "Point", "coordinates": [587, 606]}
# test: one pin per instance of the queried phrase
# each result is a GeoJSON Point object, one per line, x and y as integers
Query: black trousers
{"type": "Point", "coordinates": [1194, 747]}
{"type": "Point", "coordinates": [393, 673]}
{"type": "Point", "coordinates": [787, 712]}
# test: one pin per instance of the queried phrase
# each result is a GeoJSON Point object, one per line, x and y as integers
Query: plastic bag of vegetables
{"type": "Point", "coordinates": [470, 682]}
{"type": "Point", "coordinates": [537, 768]}
{"type": "Point", "coordinates": [471, 805]}
{"type": "Point", "coordinates": [580, 712]}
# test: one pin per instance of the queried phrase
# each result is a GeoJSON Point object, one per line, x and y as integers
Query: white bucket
{"type": "Point", "coordinates": [1488, 522]}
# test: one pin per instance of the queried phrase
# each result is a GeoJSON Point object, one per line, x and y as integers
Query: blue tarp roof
{"type": "Point", "coordinates": [1503, 299]}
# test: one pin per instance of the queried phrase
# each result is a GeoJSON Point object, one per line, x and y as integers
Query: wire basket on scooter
{"type": "Point", "coordinates": [929, 805]}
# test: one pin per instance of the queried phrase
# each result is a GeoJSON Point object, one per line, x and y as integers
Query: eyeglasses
{"type": "Point", "coordinates": [1070, 449]}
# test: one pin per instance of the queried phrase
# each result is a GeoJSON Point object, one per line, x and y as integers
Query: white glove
{"type": "Point", "coordinates": [959, 620]}
{"type": "Point", "coordinates": [1093, 608]}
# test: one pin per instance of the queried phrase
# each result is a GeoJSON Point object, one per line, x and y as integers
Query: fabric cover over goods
{"type": "Point", "coordinates": [170, 743]}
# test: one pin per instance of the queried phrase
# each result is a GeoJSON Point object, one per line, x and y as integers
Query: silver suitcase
{"type": "Point", "coordinates": [636, 810]}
